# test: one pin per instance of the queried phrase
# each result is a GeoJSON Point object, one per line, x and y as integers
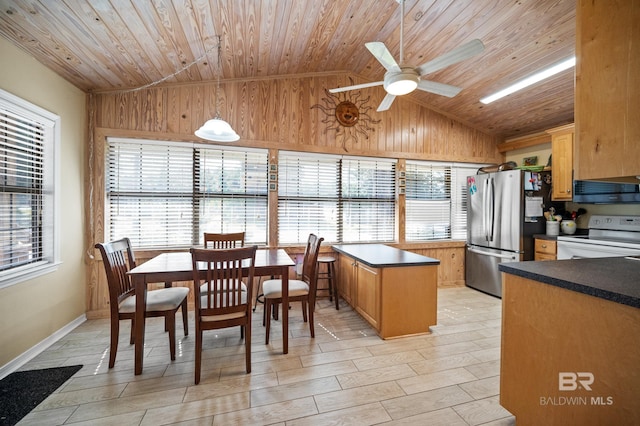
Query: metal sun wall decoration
{"type": "Point", "coordinates": [347, 114]}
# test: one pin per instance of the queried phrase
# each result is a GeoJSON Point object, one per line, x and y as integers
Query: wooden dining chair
{"type": "Point", "coordinates": [223, 304]}
{"type": "Point", "coordinates": [223, 241]}
{"type": "Point", "coordinates": [303, 290]}
{"type": "Point", "coordinates": [118, 259]}
{"type": "Point", "coordinates": [219, 241]}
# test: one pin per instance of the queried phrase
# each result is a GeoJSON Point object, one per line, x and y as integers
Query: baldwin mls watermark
{"type": "Point", "coordinates": [572, 381]}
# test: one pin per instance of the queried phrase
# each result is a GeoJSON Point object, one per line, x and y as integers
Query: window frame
{"type": "Point", "coordinates": [50, 225]}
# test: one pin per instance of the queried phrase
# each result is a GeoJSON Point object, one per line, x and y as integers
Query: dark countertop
{"type": "Point", "coordinates": [382, 256]}
{"type": "Point", "coordinates": [613, 278]}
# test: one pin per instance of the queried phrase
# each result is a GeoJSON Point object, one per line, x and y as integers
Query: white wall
{"type": "Point", "coordinates": [32, 311]}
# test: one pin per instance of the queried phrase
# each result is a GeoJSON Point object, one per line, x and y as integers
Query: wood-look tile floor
{"type": "Point", "coordinates": [346, 375]}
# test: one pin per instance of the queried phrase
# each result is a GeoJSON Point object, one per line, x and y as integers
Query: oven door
{"type": "Point", "coordinates": [586, 250]}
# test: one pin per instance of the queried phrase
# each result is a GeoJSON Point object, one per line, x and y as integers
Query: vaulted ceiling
{"type": "Point", "coordinates": [102, 45]}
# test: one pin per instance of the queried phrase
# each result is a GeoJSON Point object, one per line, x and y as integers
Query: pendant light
{"type": "Point", "coordinates": [217, 129]}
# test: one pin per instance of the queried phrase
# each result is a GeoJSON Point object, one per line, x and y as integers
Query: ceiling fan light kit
{"type": "Point", "coordinates": [401, 83]}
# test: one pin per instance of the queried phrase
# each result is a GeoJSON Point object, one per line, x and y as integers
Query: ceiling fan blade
{"type": "Point", "coordinates": [439, 88]}
{"type": "Point", "coordinates": [386, 102]}
{"type": "Point", "coordinates": [357, 86]}
{"type": "Point", "coordinates": [382, 54]}
{"type": "Point", "coordinates": [458, 54]}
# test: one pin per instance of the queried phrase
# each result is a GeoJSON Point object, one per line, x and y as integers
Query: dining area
{"type": "Point", "coordinates": [223, 273]}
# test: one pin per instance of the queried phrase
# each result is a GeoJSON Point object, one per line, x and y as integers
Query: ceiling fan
{"type": "Point", "coordinates": [401, 79]}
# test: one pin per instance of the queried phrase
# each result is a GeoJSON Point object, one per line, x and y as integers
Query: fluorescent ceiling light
{"type": "Point", "coordinates": [533, 79]}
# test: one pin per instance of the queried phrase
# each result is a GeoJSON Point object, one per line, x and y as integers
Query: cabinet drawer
{"type": "Point", "coordinates": [545, 256]}
{"type": "Point", "coordinates": [545, 247]}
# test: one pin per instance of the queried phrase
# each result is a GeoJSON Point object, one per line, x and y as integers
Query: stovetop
{"type": "Point", "coordinates": [610, 230]}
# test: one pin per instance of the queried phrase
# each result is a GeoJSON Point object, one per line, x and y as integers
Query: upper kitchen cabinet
{"type": "Point", "coordinates": [607, 97]}
{"type": "Point", "coordinates": [562, 162]}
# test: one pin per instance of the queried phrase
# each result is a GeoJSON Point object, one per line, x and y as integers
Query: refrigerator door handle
{"type": "Point", "coordinates": [492, 205]}
{"type": "Point", "coordinates": [512, 256]}
{"type": "Point", "coordinates": [484, 209]}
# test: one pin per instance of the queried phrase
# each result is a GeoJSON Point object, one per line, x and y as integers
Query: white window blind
{"type": "Point", "coordinates": [459, 174]}
{"type": "Point", "coordinates": [428, 201]}
{"type": "Point", "coordinates": [368, 199]}
{"type": "Point", "coordinates": [168, 194]}
{"type": "Point", "coordinates": [308, 197]}
{"type": "Point", "coordinates": [342, 199]}
{"type": "Point", "coordinates": [436, 203]}
{"type": "Point", "coordinates": [27, 189]}
{"type": "Point", "coordinates": [232, 193]}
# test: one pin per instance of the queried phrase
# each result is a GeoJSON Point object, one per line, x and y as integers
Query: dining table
{"type": "Point", "coordinates": [177, 266]}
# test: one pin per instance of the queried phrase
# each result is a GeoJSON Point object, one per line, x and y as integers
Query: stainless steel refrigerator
{"type": "Point", "coordinates": [501, 219]}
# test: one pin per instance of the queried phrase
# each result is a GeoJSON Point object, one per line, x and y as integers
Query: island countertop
{"type": "Point", "coordinates": [613, 278]}
{"type": "Point", "coordinates": [383, 256]}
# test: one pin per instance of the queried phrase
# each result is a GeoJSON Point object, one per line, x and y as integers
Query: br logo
{"type": "Point", "coordinates": [570, 381]}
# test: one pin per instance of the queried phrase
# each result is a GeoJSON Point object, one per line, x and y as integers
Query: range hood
{"type": "Point", "coordinates": [596, 192]}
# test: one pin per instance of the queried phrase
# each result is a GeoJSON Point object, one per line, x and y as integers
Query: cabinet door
{"type": "Point", "coordinates": [347, 278]}
{"type": "Point", "coordinates": [562, 166]}
{"type": "Point", "coordinates": [368, 294]}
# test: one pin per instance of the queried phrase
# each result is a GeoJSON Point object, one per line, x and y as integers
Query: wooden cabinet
{"type": "Point", "coordinates": [545, 249]}
{"type": "Point", "coordinates": [607, 97]}
{"type": "Point", "coordinates": [347, 278]}
{"type": "Point", "coordinates": [368, 294]}
{"type": "Point", "coordinates": [562, 162]}
{"type": "Point", "coordinates": [393, 290]}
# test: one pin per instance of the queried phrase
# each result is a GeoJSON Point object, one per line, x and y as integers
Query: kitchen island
{"type": "Point", "coordinates": [571, 341]}
{"type": "Point", "coordinates": [394, 290]}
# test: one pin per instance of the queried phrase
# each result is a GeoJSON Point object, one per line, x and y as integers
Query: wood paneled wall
{"type": "Point", "coordinates": [278, 114]}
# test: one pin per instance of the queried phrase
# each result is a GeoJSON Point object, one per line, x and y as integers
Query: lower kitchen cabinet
{"type": "Point", "coordinates": [368, 293]}
{"type": "Point", "coordinates": [393, 290]}
{"type": "Point", "coordinates": [545, 249]}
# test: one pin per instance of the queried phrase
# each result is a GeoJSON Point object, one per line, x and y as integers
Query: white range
{"type": "Point", "coordinates": [609, 236]}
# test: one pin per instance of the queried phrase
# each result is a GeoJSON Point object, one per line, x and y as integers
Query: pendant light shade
{"type": "Point", "coordinates": [217, 129]}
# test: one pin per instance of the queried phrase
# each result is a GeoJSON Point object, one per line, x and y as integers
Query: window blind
{"type": "Point", "coordinates": [428, 201]}
{"type": "Point", "coordinates": [22, 190]}
{"type": "Point", "coordinates": [459, 174]}
{"type": "Point", "coordinates": [168, 194]}
{"type": "Point", "coordinates": [368, 198]}
{"type": "Point", "coordinates": [308, 197]}
{"type": "Point", "coordinates": [232, 193]}
{"type": "Point", "coordinates": [342, 199]}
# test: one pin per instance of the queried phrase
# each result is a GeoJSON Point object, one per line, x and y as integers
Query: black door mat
{"type": "Point", "coordinates": [22, 391]}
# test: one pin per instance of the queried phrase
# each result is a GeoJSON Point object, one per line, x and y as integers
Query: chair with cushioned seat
{"type": "Point", "coordinates": [223, 304]}
{"type": "Point", "coordinates": [303, 290]}
{"type": "Point", "coordinates": [118, 259]}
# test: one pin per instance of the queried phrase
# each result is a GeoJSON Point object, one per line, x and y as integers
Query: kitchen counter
{"type": "Point", "coordinates": [392, 289]}
{"type": "Point", "coordinates": [613, 278]}
{"type": "Point", "coordinates": [382, 256]}
{"type": "Point", "coordinates": [571, 341]}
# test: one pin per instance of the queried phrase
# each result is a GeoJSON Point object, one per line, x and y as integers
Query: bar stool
{"type": "Point", "coordinates": [329, 274]}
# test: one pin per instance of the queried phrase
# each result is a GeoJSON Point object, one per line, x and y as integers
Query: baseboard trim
{"type": "Point", "coordinates": [38, 348]}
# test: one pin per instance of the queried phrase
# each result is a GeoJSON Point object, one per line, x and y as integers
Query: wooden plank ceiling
{"type": "Point", "coordinates": [102, 45]}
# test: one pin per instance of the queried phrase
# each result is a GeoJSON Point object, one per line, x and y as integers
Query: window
{"type": "Point", "coordinates": [436, 202]}
{"type": "Point", "coordinates": [29, 143]}
{"type": "Point", "coordinates": [343, 199]}
{"type": "Point", "coordinates": [163, 194]}
{"type": "Point", "coordinates": [428, 201]}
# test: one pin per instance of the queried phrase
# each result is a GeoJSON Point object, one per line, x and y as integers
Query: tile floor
{"type": "Point", "coordinates": [346, 375]}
